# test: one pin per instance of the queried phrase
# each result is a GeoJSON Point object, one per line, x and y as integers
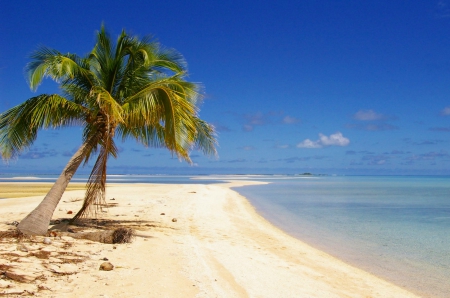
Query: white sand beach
{"type": "Point", "coordinates": [217, 247]}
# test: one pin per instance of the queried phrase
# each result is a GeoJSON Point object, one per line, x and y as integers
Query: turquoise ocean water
{"type": "Point", "coordinates": [396, 227]}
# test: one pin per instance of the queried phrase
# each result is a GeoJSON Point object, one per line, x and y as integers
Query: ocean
{"type": "Point", "coordinates": [396, 227]}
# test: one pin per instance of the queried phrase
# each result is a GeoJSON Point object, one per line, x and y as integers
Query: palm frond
{"type": "Point", "coordinates": [108, 105]}
{"type": "Point", "coordinates": [170, 59]}
{"type": "Point", "coordinates": [47, 62]}
{"type": "Point", "coordinates": [206, 137]}
{"type": "Point", "coordinates": [19, 125]}
{"type": "Point", "coordinates": [96, 185]}
{"type": "Point", "coordinates": [147, 135]}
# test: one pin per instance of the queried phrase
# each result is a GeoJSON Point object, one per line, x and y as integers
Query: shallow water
{"type": "Point", "coordinates": [163, 179]}
{"type": "Point", "coordinates": [394, 227]}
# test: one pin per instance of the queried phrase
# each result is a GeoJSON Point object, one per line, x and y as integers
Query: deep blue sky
{"type": "Point", "coordinates": [336, 87]}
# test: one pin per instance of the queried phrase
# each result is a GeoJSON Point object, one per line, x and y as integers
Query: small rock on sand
{"type": "Point", "coordinates": [106, 266]}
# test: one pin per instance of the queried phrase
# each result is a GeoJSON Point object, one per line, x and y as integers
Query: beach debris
{"type": "Point", "coordinates": [69, 212]}
{"type": "Point", "coordinates": [119, 235]}
{"type": "Point", "coordinates": [112, 199]}
{"type": "Point", "coordinates": [47, 240]}
{"type": "Point", "coordinates": [70, 230]}
{"type": "Point", "coordinates": [14, 223]}
{"type": "Point", "coordinates": [163, 213]}
{"type": "Point", "coordinates": [13, 234]}
{"type": "Point", "coordinates": [104, 259]}
{"type": "Point", "coordinates": [52, 234]}
{"type": "Point", "coordinates": [174, 220]}
{"type": "Point", "coordinates": [57, 222]}
{"type": "Point", "coordinates": [106, 266]}
{"type": "Point", "coordinates": [122, 235]}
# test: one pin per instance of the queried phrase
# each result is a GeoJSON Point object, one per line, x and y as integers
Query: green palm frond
{"type": "Point", "coordinates": [205, 138]}
{"type": "Point", "coordinates": [47, 62]}
{"type": "Point", "coordinates": [169, 59]}
{"type": "Point", "coordinates": [108, 105]}
{"type": "Point", "coordinates": [19, 125]}
{"type": "Point", "coordinates": [147, 135]}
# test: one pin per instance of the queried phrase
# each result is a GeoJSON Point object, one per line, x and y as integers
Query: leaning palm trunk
{"type": "Point", "coordinates": [36, 223]}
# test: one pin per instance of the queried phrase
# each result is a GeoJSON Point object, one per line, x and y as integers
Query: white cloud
{"type": "Point", "coordinates": [367, 115]}
{"type": "Point", "coordinates": [309, 144]}
{"type": "Point", "coordinates": [336, 139]}
{"type": "Point", "coordinates": [446, 111]}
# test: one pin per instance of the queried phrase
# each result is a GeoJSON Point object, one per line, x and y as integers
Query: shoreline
{"type": "Point", "coordinates": [218, 246]}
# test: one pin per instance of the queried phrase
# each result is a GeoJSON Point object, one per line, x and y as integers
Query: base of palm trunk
{"type": "Point", "coordinates": [33, 225]}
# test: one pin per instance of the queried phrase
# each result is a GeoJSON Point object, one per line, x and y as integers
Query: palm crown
{"type": "Point", "coordinates": [131, 89]}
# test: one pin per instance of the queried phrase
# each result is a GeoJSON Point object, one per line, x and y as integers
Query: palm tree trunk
{"type": "Point", "coordinates": [36, 223]}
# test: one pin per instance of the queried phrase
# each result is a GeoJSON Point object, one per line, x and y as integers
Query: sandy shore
{"type": "Point", "coordinates": [217, 247]}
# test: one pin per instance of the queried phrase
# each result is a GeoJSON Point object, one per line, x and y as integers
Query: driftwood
{"type": "Point", "coordinates": [120, 235]}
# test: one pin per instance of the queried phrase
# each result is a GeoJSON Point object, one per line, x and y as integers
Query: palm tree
{"type": "Point", "coordinates": [132, 89]}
